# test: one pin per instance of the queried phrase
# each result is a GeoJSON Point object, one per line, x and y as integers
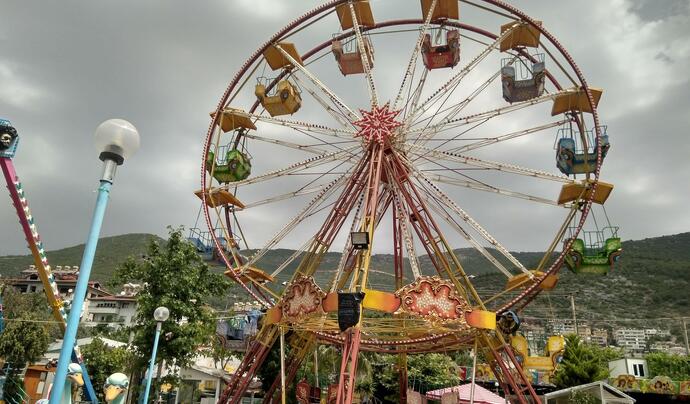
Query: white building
{"type": "Point", "coordinates": [560, 327]}
{"type": "Point", "coordinates": [599, 336]}
{"type": "Point", "coordinates": [203, 381]}
{"type": "Point", "coordinates": [631, 339]}
{"type": "Point", "coordinates": [114, 310]}
{"type": "Point", "coordinates": [629, 366]}
{"type": "Point", "coordinates": [65, 278]}
{"type": "Point", "coordinates": [655, 332]}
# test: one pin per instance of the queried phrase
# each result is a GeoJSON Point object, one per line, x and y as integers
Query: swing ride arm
{"type": "Point", "coordinates": [33, 239]}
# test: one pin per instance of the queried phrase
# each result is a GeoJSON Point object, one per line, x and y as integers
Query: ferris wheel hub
{"type": "Point", "coordinates": [378, 124]}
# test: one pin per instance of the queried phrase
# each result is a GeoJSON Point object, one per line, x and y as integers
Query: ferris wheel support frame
{"type": "Point", "coordinates": [312, 259]}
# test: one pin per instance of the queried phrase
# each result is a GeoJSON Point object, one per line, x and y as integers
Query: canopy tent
{"type": "Point", "coordinates": [481, 395]}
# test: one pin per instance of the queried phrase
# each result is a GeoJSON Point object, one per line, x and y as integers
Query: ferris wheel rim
{"type": "Point", "coordinates": [554, 268]}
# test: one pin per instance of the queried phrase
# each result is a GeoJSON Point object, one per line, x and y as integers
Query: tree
{"type": "Point", "coordinates": [677, 367]}
{"type": "Point", "coordinates": [583, 363]}
{"type": "Point", "coordinates": [102, 361]}
{"type": "Point", "coordinates": [17, 304]}
{"type": "Point", "coordinates": [424, 371]}
{"type": "Point", "coordinates": [24, 340]}
{"type": "Point", "coordinates": [26, 336]}
{"type": "Point", "coordinates": [217, 348]}
{"type": "Point", "coordinates": [433, 371]}
{"type": "Point", "coordinates": [176, 277]}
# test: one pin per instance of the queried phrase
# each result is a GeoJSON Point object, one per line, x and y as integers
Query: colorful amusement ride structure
{"type": "Point", "coordinates": [9, 141]}
{"type": "Point", "coordinates": [464, 128]}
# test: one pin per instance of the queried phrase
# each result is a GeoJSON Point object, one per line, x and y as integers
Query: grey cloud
{"type": "Point", "coordinates": [163, 65]}
{"type": "Point", "coordinates": [653, 10]}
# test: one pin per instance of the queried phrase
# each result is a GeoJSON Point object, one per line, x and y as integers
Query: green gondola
{"type": "Point", "coordinates": [598, 260]}
{"type": "Point", "coordinates": [235, 167]}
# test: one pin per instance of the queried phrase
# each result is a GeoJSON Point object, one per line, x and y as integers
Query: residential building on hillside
{"type": "Point", "coordinates": [113, 310]}
{"type": "Point", "coordinates": [101, 306]}
{"type": "Point", "coordinates": [631, 339]}
{"type": "Point", "coordinates": [560, 327]}
{"type": "Point", "coordinates": [655, 332]}
{"type": "Point", "coordinates": [668, 347]}
{"type": "Point", "coordinates": [599, 336]}
{"type": "Point", "coordinates": [584, 331]}
{"type": "Point", "coordinates": [65, 277]}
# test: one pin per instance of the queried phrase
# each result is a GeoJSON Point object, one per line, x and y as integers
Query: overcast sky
{"type": "Point", "coordinates": [66, 66]}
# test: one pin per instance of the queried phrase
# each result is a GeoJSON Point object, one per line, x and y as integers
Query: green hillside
{"type": "Point", "coordinates": [110, 252]}
{"type": "Point", "coordinates": [651, 281]}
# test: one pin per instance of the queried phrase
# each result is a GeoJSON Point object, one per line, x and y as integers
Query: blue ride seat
{"type": "Point", "coordinates": [197, 243]}
{"type": "Point", "coordinates": [570, 160]}
{"type": "Point", "coordinates": [8, 139]}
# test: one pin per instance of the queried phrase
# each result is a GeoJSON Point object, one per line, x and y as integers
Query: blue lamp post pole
{"type": "Point", "coordinates": [160, 315]}
{"type": "Point", "coordinates": [117, 140]}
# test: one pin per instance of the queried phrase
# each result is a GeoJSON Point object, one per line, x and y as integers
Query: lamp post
{"type": "Point", "coordinates": [116, 140]}
{"type": "Point", "coordinates": [161, 314]}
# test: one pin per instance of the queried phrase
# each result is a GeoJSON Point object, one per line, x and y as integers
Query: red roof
{"type": "Point", "coordinates": [481, 395]}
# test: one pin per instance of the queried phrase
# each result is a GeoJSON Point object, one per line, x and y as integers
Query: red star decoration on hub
{"type": "Point", "coordinates": [377, 124]}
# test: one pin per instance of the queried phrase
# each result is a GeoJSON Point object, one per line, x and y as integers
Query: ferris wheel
{"type": "Point", "coordinates": [426, 133]}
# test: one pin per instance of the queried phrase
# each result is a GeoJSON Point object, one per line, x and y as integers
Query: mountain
{"type": "Point", "coordinates": [111, 251]}
{"type": "Point", "coordinates": [647, 287]}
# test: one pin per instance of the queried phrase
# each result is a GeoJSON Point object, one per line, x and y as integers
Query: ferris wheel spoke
{"type": "Point", "coordinates": [416, 96]}
{"type": "Point", "coordinates": [337, 114]}
{"type": "Point", "coordinates": [454, 109]}
{"type": "Point", "coordinates": [480, 163]}
{"type": "Point", "coordinates": [325, 192]}
{"type": "Point", "coordinates": [403, 219]}
{"type": "Point", "coordinates": [460, 106]}
{"type": "Point", "coordinates": [292, 258]}
{"type": "Point", "coordinates": [446, 200]}
{"type": "Point", "coordinates": [364, 56]}
{"type": "Point", "coordinates": [457, 122]}
{"type": "Point", "coordinates": [439, 209]}
{"type": "Point", "coordinates": [457, 78]}
{"type": "Point", "coordinates": [292, 145]}
{"type": "Point", "coordinates": [493, 140]}
{"type": "Point", "coordinates": [304, 126]}
{"type": "Point", "coordinates": [352, 115]}
{"type": "Point", "coordinates": [487, 188]}
{"type": "Point", "coordinates": [287, 195]}
{"type": "Point", "coordinates": [302, 165]}
{"type": "Point", "coordinates": [415, 54]}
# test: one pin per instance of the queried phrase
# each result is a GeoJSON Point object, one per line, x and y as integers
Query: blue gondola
{"type": "Point", "coordinates": [571, 158]}
{"type": "Point", "coordinates": [201, 239]}
{"type": "Point", "coordinates": [8, 139]}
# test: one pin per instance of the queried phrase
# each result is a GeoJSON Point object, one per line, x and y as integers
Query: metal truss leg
{"type": "Point", "coordinates": [348, 366]}
{"type": "Point", "coordinates": [509, 373]}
